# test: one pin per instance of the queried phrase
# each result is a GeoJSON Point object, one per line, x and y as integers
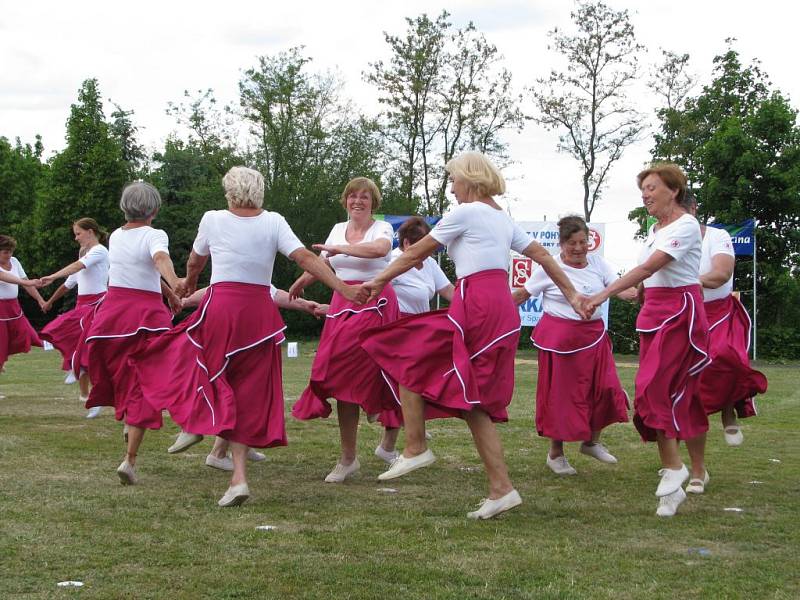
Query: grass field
{"type": "Point", "coordinates": [64, 516]}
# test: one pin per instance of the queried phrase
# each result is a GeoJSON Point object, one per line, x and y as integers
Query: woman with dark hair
{"type": "Point", "coordinates": [69, 330]}
{"type": "Point", "coordinates": [578, 392]}
{"type": "Point", "coordinates": [16, 333]}
{"type": "Point", "coordinates": [673, 333]}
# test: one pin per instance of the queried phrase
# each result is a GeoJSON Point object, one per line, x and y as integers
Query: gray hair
{"type": "Point", "coordinates": [244, 188]}
{"type": "Point", "coordinates": [139, 201]}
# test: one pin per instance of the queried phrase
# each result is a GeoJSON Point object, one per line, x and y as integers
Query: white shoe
{"type": "Point", "coordinates": [668, 505]}
{"type": "Point", "coordinates": [733, 435]}
{"type": "Point", "coordinates": [491, 508]}
{"type": "Point", "coordinates": [223, 464]}
{"type": "Point", "coordinates": [402, 465]}
{"type": "Point", "coordinates": [671, 480]}
{"type": "Point", "coordinates": [127, 474]}
{"type": "Point", "coordinates": [385, 455]}
{"type": "Point", "coordinates": [255, 456]}
{"type": "Point", "coordinates": [341, 472]}
{"type": "Point", "coordinates": [560, 465]}
{"type": "Point", "coordinates": [698, 486]}
{"type": "Point", "coordinates": [94, 412]}
{"type": "Point", "coordinates": [235, 495]}
{"type": "Point", "coordinates": [184, 441]}
{"type": "Point", "coordinates": [599, 452]}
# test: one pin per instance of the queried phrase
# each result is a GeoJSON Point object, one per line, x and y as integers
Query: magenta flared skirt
{"type": "Point", "coordinates": [673, 351]}
{"type": "Point", "coordinates": [578, 390]}
{"type": "Point", "coordinates": [341, 368]}
{"type": "Point", "coordinates": [68, 333]}
{"type": "Point", "coordinates": [224, 376]}
{"type": "Point", "coordinates": [729, 380]}
{"type": "Point", "coordinates": [124, 322]}
{"type": "Point", "coordinates": [459, 358]}
{"type": "Point", "coordinates": [17, 335]}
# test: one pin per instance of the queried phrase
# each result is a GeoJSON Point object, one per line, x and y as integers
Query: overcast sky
{"type": "Point", "coordinates": [146, 53]}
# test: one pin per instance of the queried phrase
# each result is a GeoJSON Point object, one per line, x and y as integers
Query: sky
{"type": "Point", "coordinates": [146, 53]}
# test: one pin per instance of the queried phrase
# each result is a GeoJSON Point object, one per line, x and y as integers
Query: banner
{"type": "Point", "coordinates": [396, 220]}
{"type": "Point", "coordinates": [546, 233]}
{"type": "Point", "coordinates": [742, 236]}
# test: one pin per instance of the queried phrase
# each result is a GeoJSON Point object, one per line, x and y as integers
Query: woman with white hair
{"type": "Point", "coordinates": [460, 363]}
{"type": "Point", "coordinates": [131, 313]}
{"type": "Point", "coordinates": [225, 362]}
{"type": "Point", "coordinates": [357, 250]}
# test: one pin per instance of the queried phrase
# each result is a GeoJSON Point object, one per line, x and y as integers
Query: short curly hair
{"type": "Point", "coordinates": [672, 176]}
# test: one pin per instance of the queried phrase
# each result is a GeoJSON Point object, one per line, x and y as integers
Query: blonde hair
{"type": "Point", "coordinates": [244, 188]}
{"type": "Point", "coordinates": [478, 172]}
{"type": "Point", "coordinates": [362, 183]}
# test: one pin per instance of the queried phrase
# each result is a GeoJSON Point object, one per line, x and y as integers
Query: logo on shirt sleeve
{"type": "Point", "coordinates": [674, 243]}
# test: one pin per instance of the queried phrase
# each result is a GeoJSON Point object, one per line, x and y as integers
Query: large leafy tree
{"type": "Point", "coordinates": [739, 144]}
{"type": "Point", "coordinates": [587, 102]}
{"type": "Point", "coordinates": [443, 91]}
{"type": "Point", "coordinates": [22, 178]}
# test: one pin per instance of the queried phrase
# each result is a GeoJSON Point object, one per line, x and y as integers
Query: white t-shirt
{"type": "Point", "coordinates": [682, 240]}
{"type": "Point", "coordinates": [11, 290]}
{"type": "Point", "coordinates": [131, 252]}
{"type": "Point", "coordinates": [416, 287]}
{"type": "Point", "coordinates": [716, 241]}
{"type": "Point", "coordinates": [478, 237]}
{"type": "Point", "coordinates": [351, 268]}
{"type": "Point", "coordinates": [94, 278]}
{"type": "Point", "coordinates": [590, 280]}
{"type": "Point", "coordinates": [243, 249]}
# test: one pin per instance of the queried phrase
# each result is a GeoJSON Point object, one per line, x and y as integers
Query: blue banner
{"type": "Point", "coordinates": [396, 220]}
{"type": "Point", "coordinates": [742, 235]}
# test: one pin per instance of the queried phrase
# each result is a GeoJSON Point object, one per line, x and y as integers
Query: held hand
{"type": "Point", "coordinates": [32, 283]}
{"type": "Point", "coordinates": [372, 288]}
{"type": "Point", "coordinates": [46, 306]}
{"type": "Point", "coordinates": [188, 302]}
{"type": "Point", "coordinates": [519, 295]}
{"type": "Point", "coordinates": [581, 306]}
{"type": "Point", "coordinates": [591, 303]}
{"type": "Point", "coordinates": [329, 248]}
{"type": "Point", "coordinates": [321, 310]}
{"type": "Point", "coordinates": [46, 280]}
{"type": "Point", "coordinates": [175, 304]}
{"type": "Point", "coordinates": [354, 293]}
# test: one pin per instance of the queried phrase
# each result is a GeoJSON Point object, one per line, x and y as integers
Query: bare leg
{"type": "Point", "coordinates": [697, 449]}
{"type": "Point", "coordinates": [728, 417]}
{"type": "Point", "coordinates": [414, 416]}
{"type": "Point", "coordinates": [668, 451]}
{"type": "Point", "coordinates": [556, 448]}
{"type": "Point", "coordinates": [389, 439]}
{"type": "Point", "coordinates": [490, 449]}
{"type": "Point", "coordinates": [239, 453]}
{"type": "Point", "coordinates": [220, 449]}
{"type": "Point", "coordinates": [348, 430]}
{"type": "Point", "coordinates": [595, 438]}
{"type": "Point", "coordinates": [83, 384]}
{"type": "Point", "coordinates": [135, 436]}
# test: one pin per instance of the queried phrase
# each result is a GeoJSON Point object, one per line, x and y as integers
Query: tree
{"type": "Point", "coordinates": [443, 92]}
{"type": "Point", "coordinates": [587, 102]}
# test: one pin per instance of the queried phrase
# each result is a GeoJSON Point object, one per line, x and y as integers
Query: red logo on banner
{"type": "Point", "coordinates": [521, 269]}
{"type": "Point", "coordinates": [594, 240]}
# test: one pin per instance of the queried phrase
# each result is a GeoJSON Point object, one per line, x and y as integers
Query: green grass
{"type": "Point", "coordinates": [64, 516]}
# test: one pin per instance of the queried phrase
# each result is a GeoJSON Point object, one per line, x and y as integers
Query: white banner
{"type": "Point", "coordinates": [546, 233]}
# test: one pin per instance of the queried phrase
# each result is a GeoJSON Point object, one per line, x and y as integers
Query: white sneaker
{"type": "Point", "coordinates": [599, 452]}
{"type": "Point", "coordinates": [491, 508]}
{"type": "Point", "coordinates": [698, 486]}
{"type": "Point", "coordinates": [255, 455]}
{"type": "Point", "coordinates": [235, 495]}
{"type": "Point", "coordinates": [668, 505]}
{"type": "Point", "coordinates": [402, 465]}
{"type": "Point", "coordinates": [94, 412]}
{"type": "Point", "coordinates": [184, 441]}
{"type": "Point", "coordinates": [341, 472]}
{"type": "Point", "coordinates": [733, 435]}
{"type": "Point", "coordinates": [671, 480]}
{"type": "Point", "coordinates": [223, 464]}
{"type": "Point", "coordinates": [385, 455]}
{"type": "Point", "coordinates": [560, 465]}
{"type": "Point", "coordinates": [127, 474]}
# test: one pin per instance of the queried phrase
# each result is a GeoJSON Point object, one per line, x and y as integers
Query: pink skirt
{"type": "Point", "coordinates": [17, 335]}
{"type": "Point", "coordinates": [123, 323]}
{"type": "Point", "coordinates": [729, 380]}
{"type": "Point", "coordinates": [673, 350]}
{"type": "Point", "coordinates": [68, 333]}
{"type": "Point", "coordinates": [224, 375]}
{"type": "Point", "coordinates": [457, 358]}
{"type": "Point", "coordinates": [578, 389]}
{"type": "Point", "coordinates": [342, 369]}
